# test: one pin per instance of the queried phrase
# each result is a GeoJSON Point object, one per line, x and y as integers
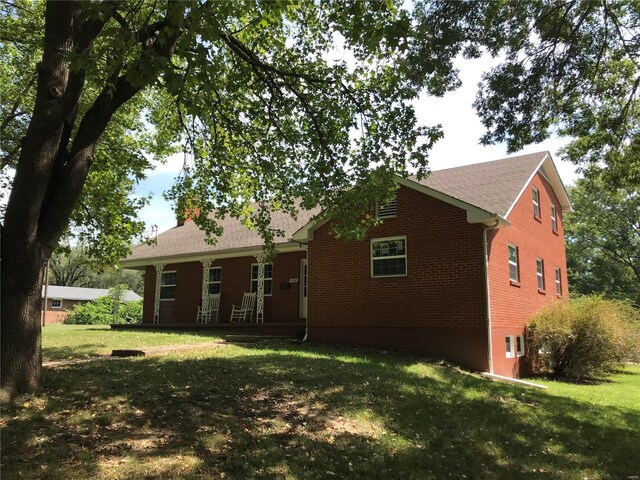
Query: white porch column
{"type": "Point", "coordinates": [260, 293]}
{"type": "Point", "coordinates": [205, 280]}
{"type": "Point", "coordinates": [156, 305]}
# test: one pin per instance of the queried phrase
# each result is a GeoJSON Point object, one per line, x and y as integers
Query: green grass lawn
{"type": "Point", "coordinates": [82, 341]}
{"type": "Point", "coordinates": [276, 410]}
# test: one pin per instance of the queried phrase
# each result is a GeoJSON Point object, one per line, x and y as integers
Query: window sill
{"type": "Point", "coordinates": [555, 232]}
{"type": "Point", "coordinates": [513, 283]}
{"type": "Point", "coordinates": [541, 291]}
{"type": "Point", "coordinates": [537, 219]}
{"type": "Point", "coordinates": [559, 296]}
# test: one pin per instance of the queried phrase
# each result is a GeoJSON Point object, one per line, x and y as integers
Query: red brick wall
{"type": "Point", "coordinates": [58, 315]}
{"type": "Point", "coordinates": [281, 306]}
{"type": "Point", "coordinates": [444, 259]}
{"type": "Point", "coordinates": [513, 305]}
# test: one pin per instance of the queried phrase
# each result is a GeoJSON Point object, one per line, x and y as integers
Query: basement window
{"type": "Point", "coordinates": [56, 303]}
{"type": "Point", "coordinates": [389, 257]}
{"type": "Point", "coordinates": [509, 346]}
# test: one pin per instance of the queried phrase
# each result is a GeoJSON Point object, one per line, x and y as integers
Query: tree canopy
{"type": "Point", "coordinates": [603, 239]}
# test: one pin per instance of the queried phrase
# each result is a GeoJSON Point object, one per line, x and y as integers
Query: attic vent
{"type": "Point", "coordinates": [388, 209]}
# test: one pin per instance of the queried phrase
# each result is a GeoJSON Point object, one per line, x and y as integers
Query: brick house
{"type": "Point", "coordinates": [60, 300]}
{"type": "Point", "coordinates": [461, 261]}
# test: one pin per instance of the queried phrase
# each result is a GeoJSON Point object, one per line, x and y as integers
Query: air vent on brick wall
{"type": "Point", "coordinates": [387, 209]}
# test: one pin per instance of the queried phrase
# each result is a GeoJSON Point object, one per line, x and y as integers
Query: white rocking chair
{"type": "Point", "coordinates": [244, 313]}
{"type": "Point", "coordinates": [210, 311]}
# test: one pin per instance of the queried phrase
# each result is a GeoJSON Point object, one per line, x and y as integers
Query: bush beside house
{"type": "Point", "coordinates": [584, 338]}
{"type": "Point", "coordinates": [101, 312]}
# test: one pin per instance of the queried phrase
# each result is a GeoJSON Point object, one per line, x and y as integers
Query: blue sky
{"type": "Point", "coordinates": [460, 145]}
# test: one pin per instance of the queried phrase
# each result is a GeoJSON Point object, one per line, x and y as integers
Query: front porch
{"type": "Point", "coordinates": [280, 329]}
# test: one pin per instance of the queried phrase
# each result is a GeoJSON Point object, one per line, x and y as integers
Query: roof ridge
{"type": "Point", "coordinates": [542, 152]}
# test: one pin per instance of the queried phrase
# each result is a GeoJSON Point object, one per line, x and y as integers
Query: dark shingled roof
{"type": "Point", "coordinates": [189, 239]}
{"type": "Point", "coordinates": [492, 186]}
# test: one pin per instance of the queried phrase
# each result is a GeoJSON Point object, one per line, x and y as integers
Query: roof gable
{"type": "Point", "coordinates": [497, 185]}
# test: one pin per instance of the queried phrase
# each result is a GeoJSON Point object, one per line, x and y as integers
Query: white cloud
{"type": "Point", "coordinates": [463, 129]}
{"type": "Point", "coordinates": [174, 164]}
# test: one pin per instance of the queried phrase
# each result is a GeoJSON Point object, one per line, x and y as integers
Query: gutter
{"type": "Point", "coordinates": [487, 294]}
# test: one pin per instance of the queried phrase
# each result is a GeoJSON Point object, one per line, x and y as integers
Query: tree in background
{"type": "Point", "coordinates": [270, 112]}
{"type": "Point", "coordinates": [72, 267]}
{"type": "Point", "coordinates": [603, 239]}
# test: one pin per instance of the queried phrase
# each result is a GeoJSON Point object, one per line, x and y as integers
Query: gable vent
{"type": "Point", "coordinates": [388, 209]}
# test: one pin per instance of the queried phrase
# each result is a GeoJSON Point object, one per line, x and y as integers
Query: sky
{"type": "Point", "coordinates": [460, 145]}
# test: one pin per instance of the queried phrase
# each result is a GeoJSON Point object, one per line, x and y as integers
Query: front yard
{"type": "Point", "coordinates": [278, 410]}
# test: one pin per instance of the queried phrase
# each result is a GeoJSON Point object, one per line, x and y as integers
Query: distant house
{"type": "Point", "coordinates": [461, 261]}
{"type": "Point", "coordinates": [60, 300]}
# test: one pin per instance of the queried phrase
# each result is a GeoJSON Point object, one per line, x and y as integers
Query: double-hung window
{"type": "Point", "coordinates": [513, 263]}
{"type": "Point", "coordinates": [558, 282]}
{"type": "Point", "coordinates": [554, 219]}
{"type": "Point", "coordinates": [268, 278]}
{"type": "Point", "coordinates": [56, 303]}
{"type": "Point", "coordinates": [215, 280]}
{"type": "Point", "coordinates": [389, 257]}
{"type": "Point", "coordinates": [167, 285]}
{"type": "Point", "coordinates": [536, 202]}
{"type": "Point", "coordinates": [540, 273]}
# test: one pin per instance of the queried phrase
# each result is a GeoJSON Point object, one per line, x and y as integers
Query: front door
{"type": "Point", "coordinates": [303, 288]}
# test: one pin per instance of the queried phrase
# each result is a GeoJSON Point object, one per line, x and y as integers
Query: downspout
{"type": "Point", "coordinates": [485, 251]}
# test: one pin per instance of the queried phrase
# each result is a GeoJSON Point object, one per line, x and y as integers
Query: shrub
{"type": "Point", "coordinates": [100, 312]}
{"type": "Point", "coordinates": [584, 338]}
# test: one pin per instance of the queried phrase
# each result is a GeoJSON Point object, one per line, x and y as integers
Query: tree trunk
{"type": "Point", "coordinates": [21, 355]}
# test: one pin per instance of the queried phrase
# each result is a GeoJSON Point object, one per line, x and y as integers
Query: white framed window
{"type": "Point", "coordinates": [540, 273]}
{"type": "Point", "coordinates": [389, 257]}
{"type": "Point", "coordinates": [554, 219]}
{"type": "Point", "coordinates": [387, 209]}
{"type": "Point", "coordinates": [509, 344]}
{"type": "Point", "coordinates": [513, 263]}
{"type": "Point", "coordinates": [168, 285]}
{"type": "Point", "coordinates": [520, 345]}
{"type": "Point", "coordinates": [56, 303]}
{"type": "Point", "coordinates": [558, 282]}
{"type": "Point", "coordinates": [268, 278]}
{"type": "Point", "coordinates": [536, 202]}
{"type": "Point", "coordinates": [215, 280]}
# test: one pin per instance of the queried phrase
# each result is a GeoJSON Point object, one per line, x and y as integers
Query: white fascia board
{"type": "Point", "coordinates": [474, 214]}
{"type": "Point", "coordinates": [305, 233]}
{"type": "Point", "coordinates": [555, 181]}
{"type": "Point", "coordinates": [196, 257]}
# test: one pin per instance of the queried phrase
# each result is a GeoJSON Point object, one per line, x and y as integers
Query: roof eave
{"type": "Point", "coordinates": [283, 247]}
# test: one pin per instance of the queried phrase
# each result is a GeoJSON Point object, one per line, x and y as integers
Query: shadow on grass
{"type": "Point", "coordinates": [84, 350]}
{"type": "Point", "coordinates": [284, 411]}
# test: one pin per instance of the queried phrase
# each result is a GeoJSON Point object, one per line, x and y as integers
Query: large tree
{"type": "Point", "coordinates": [603, 239]}
{"type": "Point", "coordinates": [270, 111]}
